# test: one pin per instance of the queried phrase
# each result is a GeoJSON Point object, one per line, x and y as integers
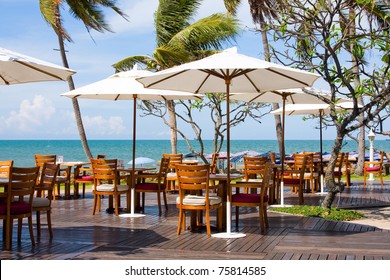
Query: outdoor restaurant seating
{"type": "Point", "coordinates": [312, 172]}
{"type": "Point", "coordinates": [375, 168]}
{"type": "Point", "coordinates": [62, 178]}
{"type": "Point", "coordinates": [158, 184]}
{"type": "Point", "coordinates": [194, 194]}
{"type": "Point", "coordinates": [83, 175]}
{"type": "Point", "coordinates": [254, 168]}
{"type": "Point", "coordinates": [256, 199]}
{"type": "Point", "coordinates": [295, 177]}
{"type": "Point", "coordinates": [338, 170]}
{"type": "Point", "coordinates": [42, 202]}
{"type": "Point", "coordinates": [21, 184]}
{"type": "Point", "coordinates": [171, 176]}
{"type": "Point", "coordinates": [106, 182]}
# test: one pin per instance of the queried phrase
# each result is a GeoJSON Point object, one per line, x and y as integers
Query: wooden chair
{"type": "Point", "coordinates": [171, 176]}
{"type": "Point", "coordinates": [106, 182]}
{"type": "Point", "coordinates": [213, 165]}
{"type": "Point", "coordinates": [83, 175]}
{"type": "Point", "coordinates": [295, 177]}
{"type": "Point", "coordinates": [259, 199]}
{"type": "Point", "coordinates": [338, 170]}
{"type": "Point", "coordinates": [41, 202]}
{"type": "Point", "coordinates": [5, 166]}
{"type": "Point", "coordinates": [17, 203]}
{"type": "Point", "coordinates": [62, 178]}
{"type": "Point", "coordinates": [312, 171]}
{"type": "Point", "coordinates": [374, 167]}
{"type": "Point", "coordinates": [254, 168]}
{"type": "Point", "coordinates": [194, 193]}
{"type": "Point", "coordinates": [158, 184]}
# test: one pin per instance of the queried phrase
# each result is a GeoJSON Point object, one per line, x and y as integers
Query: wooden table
{"type": "Point", "coordinates": [129, 173]}
{"type": "Point", "coordinates": [224, 191]}
{"type": "Point", "coordinates": [69, 165]}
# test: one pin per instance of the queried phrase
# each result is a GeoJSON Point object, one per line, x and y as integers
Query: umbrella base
{"type": "Point", "coordinates": [228, 235]}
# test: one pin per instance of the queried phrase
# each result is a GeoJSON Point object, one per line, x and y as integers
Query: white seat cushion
{"type": "Point", "coordinates": [39, 201]}
{"type": "Point", "coordinates": [110, 187]}
{"type": "Point", "coordinates": [198, 200]}
{"type": "Point", "coordinates": [171, 175]}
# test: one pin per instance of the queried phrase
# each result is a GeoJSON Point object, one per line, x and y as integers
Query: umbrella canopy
{"type": "Point", "coordinates": [142, 160]}
{"type": "Point", "coordinates": [229, 72]}
{"type": "Point", "coordinates": [16, 68]}
{"type": "Point", "coordinates": [124, 86]}
{"type": "Point", "coordinates": [315, 109]}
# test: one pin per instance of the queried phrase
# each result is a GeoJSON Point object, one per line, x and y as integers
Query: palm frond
{"type": "Point", "coordinates": [168, 56]}
{"type": "Point", "coordinates": [172, 16]}
{"type": "Point", "coordinates": [208, 33]}
{"type": "Point", "coordinates": [127, 63]}
{"type": "Point", "coordinates": [232, 6]}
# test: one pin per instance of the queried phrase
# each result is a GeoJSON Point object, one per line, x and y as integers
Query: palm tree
{"type": "Point", "coordinates": [179, 41]}
{"type": "Point", "coordinates": [261, 11]}
{"type": "Point", "coordinates": [90, 13]}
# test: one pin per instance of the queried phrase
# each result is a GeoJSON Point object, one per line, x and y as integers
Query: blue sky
{"type": "Point", "coordinates": [37, 111]}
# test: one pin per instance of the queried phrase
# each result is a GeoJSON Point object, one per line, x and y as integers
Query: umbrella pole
{"type": "Point", "coordinates": [321, 170]}
{"type": "Point", "coordinates": [283, 152]}
{"type": "Point", "coordinates": [228, 233]}
{"type": "Point", "coordinates": [132, 213]}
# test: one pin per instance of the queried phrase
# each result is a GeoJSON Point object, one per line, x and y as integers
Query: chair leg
{"type": "Point", "coordinates": [380, 177]}
{"type": "Point", "coordinates": [237, 215]}
{"type": "Point", "coordinates": [159, 203]}
{"type": "Point", "coordinates": [165, 200]}
{"type": "Point", "coordinates": [49, 223]}
{"type": "Point", "coordinates": [38, 215]}
{"type": "Point", "coordinates": [208, 222]}
{"type": "Point", "coordinates": [8, 234]}
{"type": "Point", "coordinates": [116, 204]}
{"type": "Point", "coordinates": [95, 198]}
{"type": "Point", "coordinates": [180, 222]}
{"type": "Point", "coordinates": [20, 222]}
{"type": "Point", "coordinates": [30, 228]}
{"type": "Point", "coordinates": [265, 217]}
{"type": "Point", "coordinates": [261, 218]}
{"type": "Point", "coordinates": [364, 178]}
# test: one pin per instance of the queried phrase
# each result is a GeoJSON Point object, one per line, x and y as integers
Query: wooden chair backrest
{"type": "Point", "coordinates": [254, 166]}
{"type": "Point", "coordinates": [164, 168]}
{"type": "Point", "coordinates": [173, 160]}
{"type": "Point", "coordinates": [5, 168]}
{"type": "Point", "coordinates": [213, 165]}
{"type": "Point", "coordinates": [193, 177]}
{"type": "Point", "coordinates": [22, 182]}
{"type": "Point", "coordinates": [104, 170]}
{"type": "Point", "coordinates": [272, 157]}
{"type": "Point", "coordinates": [303, 161]}
{"type": "Point", "coordinates": [47, 179]}
{"type": "Point", "coordinates": [101, 156]}
{"type": "Point", "coordinates": [41, 159]}
{"type": "Point", "coordinates": [340, 161]}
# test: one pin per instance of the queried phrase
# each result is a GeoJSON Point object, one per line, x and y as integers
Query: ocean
{"type": "Point", "coordinates": [22, 151]}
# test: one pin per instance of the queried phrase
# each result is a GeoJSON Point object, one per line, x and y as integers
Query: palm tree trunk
{"type": "Point", "coordinates": [172, 125]}
{"type": "Point", "coordinates": [275, 106]}
{"type": "Point", "coordinates": [75, 103]}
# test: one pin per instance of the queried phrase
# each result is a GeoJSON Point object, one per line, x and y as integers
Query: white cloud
{"type": "Point", "coordinates": [31, 115]}
{"type": "Point", "coordinates": [98, 125]}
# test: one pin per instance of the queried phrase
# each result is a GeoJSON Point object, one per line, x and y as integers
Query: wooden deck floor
{"type": "Point", "coordinates": [80, 236]}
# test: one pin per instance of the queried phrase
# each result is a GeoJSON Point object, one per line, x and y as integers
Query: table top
{"type": "Point", "coordinates": [137, 169]}
{"type": "Point", "coordinates": [224, 176]}
{"type": "Point", "coordinates": [73, 163]}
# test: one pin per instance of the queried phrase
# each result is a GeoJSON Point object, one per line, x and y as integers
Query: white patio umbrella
{"type": "Point", "coordinates": [16, 68]}
{"type": "Point", "coordinates": [315, 109]}
{"type": "Point", "coordinates": [142, 160]}
{"type": "Point", "coordinates": [124, 86]}
{"type": "Point", "coordinates": [229, 72]}
{"type": "Point", "coordinates": [304, 95]}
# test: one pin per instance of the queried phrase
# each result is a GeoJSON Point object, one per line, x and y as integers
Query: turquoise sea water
{"type": "Point", "coordinates": [22, 151]}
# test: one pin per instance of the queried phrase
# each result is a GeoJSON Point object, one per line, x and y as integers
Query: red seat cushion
{"type": "Point", "coordinates": [16, 208]}
{"type": "Point", "coordinates": [291, 181]}
{"type": "Point", "coordinates": [372, 168]}
{"type": "Point", "coordinates": [248, 198]}
{"type": "Point", "coordinates": [85, 178]}
{"type": "Point", "coordinates": [149, 186]}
